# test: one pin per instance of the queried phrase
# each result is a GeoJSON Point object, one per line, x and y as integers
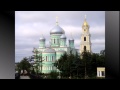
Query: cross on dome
{"type": "Point", "coordinates": [85, 16]}
{"type": "Point", "coordinates": [56, 20]}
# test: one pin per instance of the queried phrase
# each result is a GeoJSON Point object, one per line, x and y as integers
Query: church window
{"type": "Point", "coordinates": [54, 40]}
{"type": "Point", "coordinates": [84, 38]}
{"type": "Point", "coordinates": [46, 58]}
{"type": "Point", "coordinates": [50, 67]}
{"type": "Point", "coordinates": [52, 58]}
{"type": "Point", "coordinates": [84, 48]}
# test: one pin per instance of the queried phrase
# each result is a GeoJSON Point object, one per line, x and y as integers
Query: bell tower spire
{"type": "Point", "coordinates": [85, 44]}
{"type": "Point", "coordinates": [85, 17]}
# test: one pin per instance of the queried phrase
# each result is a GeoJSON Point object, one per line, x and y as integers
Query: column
{"type": "Point", "coordinates": [97, 73]}
{"type": "Point", "coordinates": [100, 73]}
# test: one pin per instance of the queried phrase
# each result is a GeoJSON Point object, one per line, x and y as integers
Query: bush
{"type": "Point", "coordinates": [54, 75]}
{"type": "Point", "coordinates": [33, 76]}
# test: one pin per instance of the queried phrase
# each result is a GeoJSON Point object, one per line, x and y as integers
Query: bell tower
{"type": "Point", "coordinates": [85, 44]}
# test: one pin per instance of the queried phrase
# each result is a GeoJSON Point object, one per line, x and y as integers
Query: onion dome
{"type": "Point", "coordinates": [85, 22]}
{"type": "Point", "coordinates": [42, 38]}
{"type": "Point", "coordinates": [57, 29]}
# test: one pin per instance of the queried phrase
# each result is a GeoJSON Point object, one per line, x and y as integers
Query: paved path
{"type": "Point", "coordinates": [24, 77]}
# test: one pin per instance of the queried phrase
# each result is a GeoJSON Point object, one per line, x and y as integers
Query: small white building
{"type": "Point", "coordinates": [101, 72]}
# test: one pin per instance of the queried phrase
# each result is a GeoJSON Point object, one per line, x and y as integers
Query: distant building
{"type": "Point", "coordinates": [101, 72]}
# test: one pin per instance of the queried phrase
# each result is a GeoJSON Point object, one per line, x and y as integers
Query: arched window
{"type": "Point", "coordinates": [84, 38]}
{"type": "Point", "coordinates": [84, 48]}
{"type": "Point", "coordinates": [52, 58]}
{"type": "Point", "coordinates": [46, 58]}
{"type": "Point", "coordinates": [54, 40]}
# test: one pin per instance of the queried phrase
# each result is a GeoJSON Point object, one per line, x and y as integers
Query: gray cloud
{"type": "Point", "coordinates": [30, 25]}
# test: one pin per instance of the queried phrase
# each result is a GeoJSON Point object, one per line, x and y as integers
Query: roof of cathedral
{"type": "Point", "coordinates": [63, 36]}
{"type": "Point", "coordinates": [57, 30]}
{"type": "Point", "coordinates": [61, 51]}
{"type": "Point", "coordinates": [49, 50]}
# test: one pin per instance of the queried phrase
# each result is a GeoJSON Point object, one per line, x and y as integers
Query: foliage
{"type": "Point", "coordinates": [24, 65]}
{"type": "Point", "coordinates": [54, 75]}
{"type": "Point", "coordinates": [84, 66]}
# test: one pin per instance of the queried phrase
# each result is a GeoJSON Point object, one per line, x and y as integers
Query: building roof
{"type": "Point", "coordinates": [49, 50]}
{"type": "Point", "coordinates": [57, 30]}
{"type": "Point", "coordinates": [61, 51]}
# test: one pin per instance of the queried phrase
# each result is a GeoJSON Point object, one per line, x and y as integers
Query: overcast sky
{"type": "Point", "coordinates": [29, 25]}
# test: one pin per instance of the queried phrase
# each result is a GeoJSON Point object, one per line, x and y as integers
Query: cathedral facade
{"type": "Point", "coordinates": [58, 47]}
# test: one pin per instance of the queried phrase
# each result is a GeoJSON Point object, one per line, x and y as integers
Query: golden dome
{"type": "Point", "coordinates": [85, 22]}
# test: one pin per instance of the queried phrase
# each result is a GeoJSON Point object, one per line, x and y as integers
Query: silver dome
{"type": "Point", "coordinates": [71, 39]}
{"type": "Point", "coordinates": [57, 30]}
{"type": "Point", "coordinates": [49, 50]}
{"type": "Point", "coordinates": [42, 38]}
{"type": "Point", "coordinates": [63, 36]}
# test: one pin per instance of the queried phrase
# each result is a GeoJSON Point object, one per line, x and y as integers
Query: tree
{"type": "Point", "coordinates": [53, 75]}
{"type": "Point", "coordinates": [86, 57]}
{"type": "Point", "coordinates": [24, 65]}
{"type": "Point", "coordinates": [84, 67]}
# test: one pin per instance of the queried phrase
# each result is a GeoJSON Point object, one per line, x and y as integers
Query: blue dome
{"type": "Point", "coordinates": [57, 30]}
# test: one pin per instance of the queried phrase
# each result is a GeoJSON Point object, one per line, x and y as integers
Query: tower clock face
{"type": "Point", "coordinates": [85, 28]}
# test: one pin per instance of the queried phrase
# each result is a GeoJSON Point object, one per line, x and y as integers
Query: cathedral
{"type": "Point", "coordinates": [58, 46]}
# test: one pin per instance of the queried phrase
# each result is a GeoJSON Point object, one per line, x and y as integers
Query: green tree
{"type": "Point", "coordinates": [54, 75]}
{"type": "Point", "coordinates": [86, 57]}
{"type": "Point", "coordinates": [24, 65]}
{"type": "Point", "coordinates": [83, 66]}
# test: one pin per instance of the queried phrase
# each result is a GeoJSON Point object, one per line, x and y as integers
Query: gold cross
{"type": "Point", "coordinates": [85, 16]}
